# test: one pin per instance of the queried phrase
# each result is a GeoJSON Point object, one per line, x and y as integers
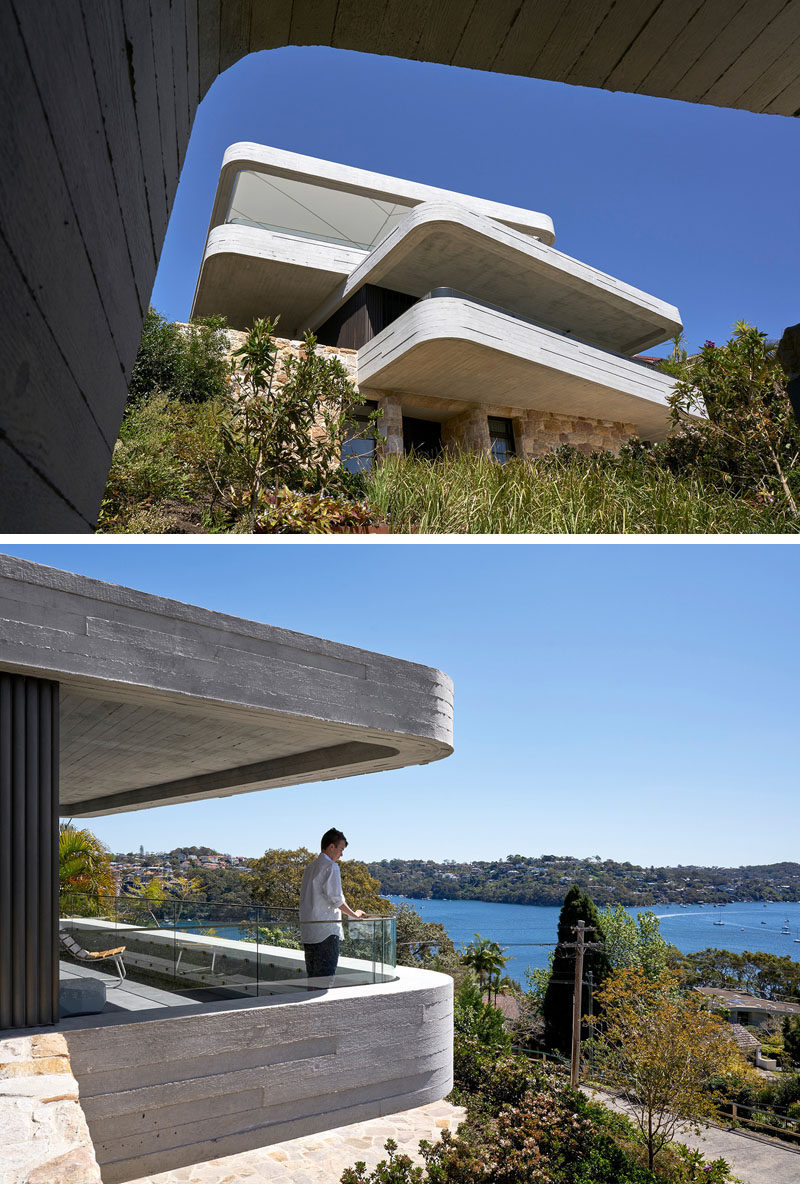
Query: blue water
{"type": "Point", "coordinates": [529, 931]}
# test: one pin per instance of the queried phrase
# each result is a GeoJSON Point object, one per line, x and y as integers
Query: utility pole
{"type": "Point", "coordinates": [577, 994]}
{"type": "Point", "coordinates": [580, 945]}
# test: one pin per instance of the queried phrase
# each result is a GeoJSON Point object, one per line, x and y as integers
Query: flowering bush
{"type": "Point", "coordinates": [526, 1125]}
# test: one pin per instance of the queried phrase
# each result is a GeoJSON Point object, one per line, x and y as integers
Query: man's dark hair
{"type": "Point", "coordinates": [331, 836]}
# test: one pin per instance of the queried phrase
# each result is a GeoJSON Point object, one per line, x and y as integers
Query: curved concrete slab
{"type": "Point", "coordinates": [455, 349]}
{"type": "Point", "coordinates": [164, 702]}
{"type": "Point", "coordinates": [330, 175]}
{"type": "Point", "coordinates": [214, 1079]}
{"type": "Point", "coordinates": [442, 244]}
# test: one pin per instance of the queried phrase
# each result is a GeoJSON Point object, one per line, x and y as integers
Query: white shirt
{"type": "Point", "coordinates": [321, 898]}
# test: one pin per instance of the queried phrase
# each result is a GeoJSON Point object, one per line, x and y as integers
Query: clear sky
{"type": "Point", "coordinates": [696, 205]}
{"type": "Point", "coordinates": [637, 702]}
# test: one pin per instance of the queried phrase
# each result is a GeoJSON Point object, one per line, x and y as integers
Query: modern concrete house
{"type": "Point", "coordinates": [100, 110]}
{"type": "Point", "coordinates": [470, 329]}
{"type": "Point", "coordinates": [112, 700]}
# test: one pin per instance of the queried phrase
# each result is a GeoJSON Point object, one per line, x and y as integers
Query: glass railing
{"type": "Point", "coordinates": [228, 950]}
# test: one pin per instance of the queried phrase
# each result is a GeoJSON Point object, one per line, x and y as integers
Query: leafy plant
{"type": "Point", "coordinates": [659, 1048]}
{"type": "Point", "coordinates": [564, 494]}
{"type": "Point", "coordinates": [473, 1017]}
{"type": "Point", "coordinates": [186, 362]}
{"type": "Point", "coordinates": [732, 418]}
{"type": "Point", "coordinates": [286, 427]}
{"type": "Point", "coordinates": [84, 863]}
{"type": "Point", "coordinates": [282, 511]}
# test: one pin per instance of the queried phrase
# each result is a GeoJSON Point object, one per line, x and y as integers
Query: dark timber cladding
{"type": "Point", "coordinates": [28, 851]}
{"type": "Point", "coordinates": [362, 317]}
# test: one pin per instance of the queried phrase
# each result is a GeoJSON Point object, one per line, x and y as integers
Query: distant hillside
{"type": "Point", "coordinates": [544, 879]}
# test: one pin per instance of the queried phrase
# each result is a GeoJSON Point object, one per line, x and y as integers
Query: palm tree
{"type": "Point", "coordinates": [487, 959]}
{"type": "Point", "coordinates": [83, 863]}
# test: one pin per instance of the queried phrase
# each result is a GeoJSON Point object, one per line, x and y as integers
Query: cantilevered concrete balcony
{"type": "Point", "coordinates": [216, 1041]}
{"type": "Point", "coordinates": [444, 244]}
{"type": "Point", "coordinates": [287, 229]}
{"type": "Point", "coordinates": [166, 1085]}
{"type": "Point", "coordinates": [453, 348]}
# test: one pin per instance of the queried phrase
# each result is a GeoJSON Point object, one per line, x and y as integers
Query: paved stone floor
{"type": "Point", "coordinates": [321, 1159]}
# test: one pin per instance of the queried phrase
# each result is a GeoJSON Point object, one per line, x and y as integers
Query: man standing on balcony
{"type": "Point", "coordinates": [322, 903]}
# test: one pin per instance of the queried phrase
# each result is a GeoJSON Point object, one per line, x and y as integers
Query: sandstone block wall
{"type": "Point", "coordinates": [45, 1139]}
{"type": "Point", "coordinates": [466, 427]}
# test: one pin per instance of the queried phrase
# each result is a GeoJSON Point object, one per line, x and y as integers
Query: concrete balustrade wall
{"type": "Point", "coordinates": [204, 1082]}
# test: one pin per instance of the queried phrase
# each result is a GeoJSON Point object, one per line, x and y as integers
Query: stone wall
{"type": "Point", "coordinates": [536, 432]}
{"type": "Point", "coordinates": [44, 1133]}
{"type": "Point", "coordinates": [287, 348]}
{"type": "Point", "coordinates": [466, 427]}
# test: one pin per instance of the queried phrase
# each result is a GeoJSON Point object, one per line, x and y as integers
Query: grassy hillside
{"type": "Point", "coordinates": [170, 475]}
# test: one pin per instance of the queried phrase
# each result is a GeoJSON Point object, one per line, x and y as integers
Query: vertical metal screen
{"type": "Point", "coordinates": [28, 851]}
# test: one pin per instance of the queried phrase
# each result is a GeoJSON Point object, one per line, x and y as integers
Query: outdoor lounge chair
{"type": "Point", "coordinates": [77, 951]}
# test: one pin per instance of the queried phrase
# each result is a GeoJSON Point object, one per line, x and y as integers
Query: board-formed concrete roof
{"type": "Point", "coordinates": [444, 244]}
{"type": "Point", "coordinates": [164, 702]}
{"type": "Point", "coordinates": [456, 349]}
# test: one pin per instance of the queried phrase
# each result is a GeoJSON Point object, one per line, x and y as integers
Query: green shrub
{"type": "Point", "coordinates": [185, 362]}
{"type": "Point", "coordinates": [281, 511]}
{"type": "Point", "coordinates": [166, 459]}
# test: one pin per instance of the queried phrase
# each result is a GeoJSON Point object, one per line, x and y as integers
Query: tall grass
{"type": "Point", "coordinates": [472, 494]}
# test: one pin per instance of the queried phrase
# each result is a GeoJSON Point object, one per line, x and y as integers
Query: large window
{"type": "Point", "coordinates": [358, 450]}
{"type": "Point", "coordinates": [312, 211]}
{"type": "Point", "coordinates": [501, 438]}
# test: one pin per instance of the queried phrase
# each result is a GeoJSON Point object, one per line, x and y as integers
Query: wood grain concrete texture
{"type": "Point", "coordinates": [332, 175]}
{"type": "Point", "coordinates": [453, 348]}
{"type": "Point", "coordinates": [162, 1093]}
{"type": "Point", "coordinates": [442, 243]}
{"type": "Point", "coordinates": [166, 701]}
{"type": "Point", "coordinates": [321, 1159]}
{"type": "Point", "coordinates": [99, 101]}
{"type": "Point", "coordinates": [247, 273]}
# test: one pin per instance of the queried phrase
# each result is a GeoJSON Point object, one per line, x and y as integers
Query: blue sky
{"type": "Point", "coordinates": [636, 702]}
{"type": "Point", "coordinates": [696, 205]}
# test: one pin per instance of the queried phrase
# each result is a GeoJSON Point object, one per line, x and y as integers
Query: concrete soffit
{"type": "Point", "coordinates": [165, 702]}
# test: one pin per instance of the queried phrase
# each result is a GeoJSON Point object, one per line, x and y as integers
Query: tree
{"type": "Point", "coordinates": [163, 902]}
{"type": "Point", "coordinates": [790, 1028]}
{"type": "Point", "coordinates": [474, 1017]}
{"type": "Point", "coordinates": [557, 1003]}
{"type": "Point", "coordinates": [732, 418]}
{"type": "Point", "coordinates": [275, 881]}
{"type": "Point", "coordinates": [185, 362]}
{"type": "Point", "coordinates": [634, 943]}
{"type": "Point", "coordinates": [84, 863]}
{"type": "Point", "coordinates": [287, 429]}
{"type": "Point", "coordinates": [425, 944]}
{"type": "Point", "coordinates": [487, 959]}
{"type": "Point", "coordinates": [659, 1048]}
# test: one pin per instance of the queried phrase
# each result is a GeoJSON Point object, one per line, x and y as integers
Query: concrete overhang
{"type": "Point", "coordinates": [454, 349]}
{"type": "Point", "coordinates": [442, 244]}
{"type": "Point", "coordinates": [162, 702]}
{"type": "Point", "coordinates": [329, 175]}
{"type": "Point", "coordinates": [248, 273]}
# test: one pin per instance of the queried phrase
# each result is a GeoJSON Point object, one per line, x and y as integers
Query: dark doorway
{"type": "Point", "coordinates": [423, 437]}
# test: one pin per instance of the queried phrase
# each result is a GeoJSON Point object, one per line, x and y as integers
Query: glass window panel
{"type": "Point", "coordinates": [312, 211]}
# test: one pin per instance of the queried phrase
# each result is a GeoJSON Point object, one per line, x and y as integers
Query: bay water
{"type": "Point", "coordinates": [529, 931]}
